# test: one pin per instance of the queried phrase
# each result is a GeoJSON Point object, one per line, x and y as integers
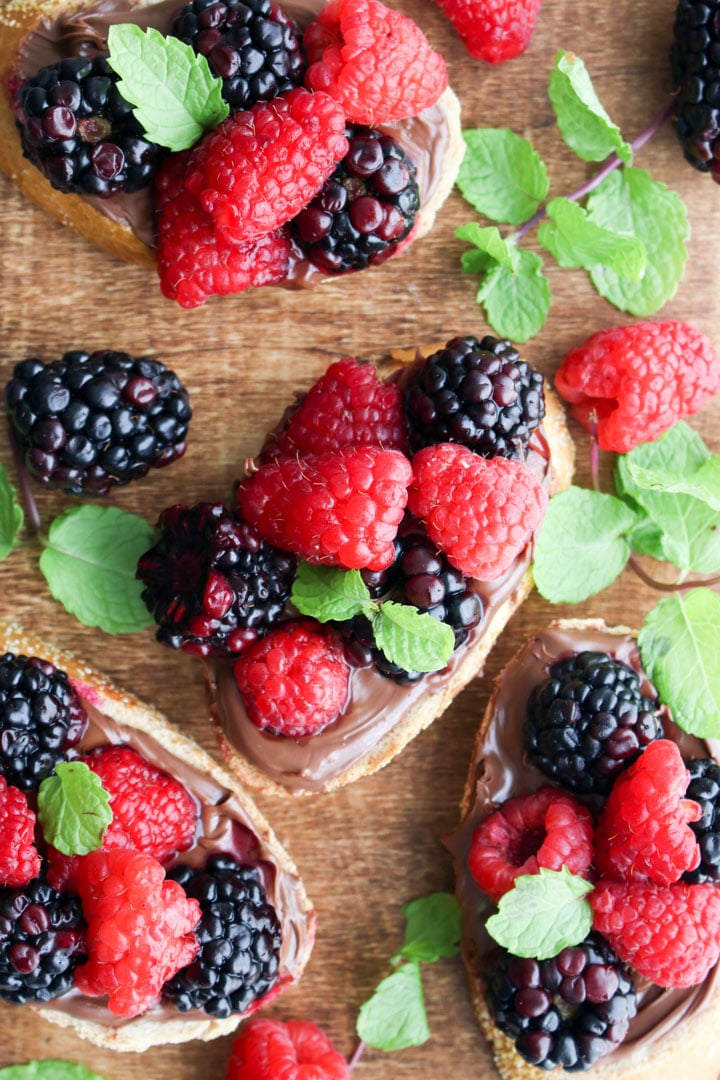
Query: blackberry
{"type": "Point", "coordinates": [41, 718]}
{"type": "Point", "coordinates": [239, 937]}
{"type": "Point", "coordinates": [91, 421]}
{"type": "Point", "coordinates": [568, 1011]}
{"type": "Point", "coordinates": [76, 127]}
{"type": "Point", "coordinates": [211, 583]}
{"type": "Point", "coordinates": [588, 721]}
{"type": "Point", "coordinates": [365, 209]}
{"type": "Point", "coordinates": [696, 77]}
{"type": "Point", "coordinates": [478, 393]}
{"type": "Point", "coordinates": [704, 788]}
{"type": "Point", "coordinates": [42, 941]}
{"type": "Point", "coordinates": [253, 46]}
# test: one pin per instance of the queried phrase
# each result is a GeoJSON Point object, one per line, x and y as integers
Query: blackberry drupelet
{"type": "Point", "coordinates": [239, 937]}
{"type": "Point", "coordinates": [41, 718]}
{"type": "Point", "coordinates": [78, 129]}
{"type": "Point", "coordinates": [704, 788]}
{"type": "Point", "coordinates": [589, 721]}
{"type": "Point", "coordinates": [211, 583]}
{"type": "Point", "coordinates": [365, 209]}
{"type": "Point", "coordinates": [696, 77]}
{"type": "Point", "coordinates": [92, 421]}
{"type": "Point", "coordinates": [568, 1011]}
{"type": "Point", "coordinates": [478, 393]}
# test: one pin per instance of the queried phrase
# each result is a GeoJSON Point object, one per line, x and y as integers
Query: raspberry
{"type": "Point", "coordinates": [376, 62]}
{"type": "Point", "coordinates": [268, 1049]}
{"type": "Point", "coordinates": [140, 929]}
{"type": "Point", "coordinates": [695, 76]}
{"type": "Point", "coordinates": [19, 860]}
{"type": "Point", "coordinates": [704, 789]}
{"type": "Point", "coordinates": [480, 513]}
{"type": "Point", "coordinates": [342, 508]}
{"type": "Point", "coordinates": [643, 829]}
{"type": "Point", "coordinates": [670, 934]}
{"type": "Point", "coordinates": [493, 30]}
{"type": "Point", "coordinates": [545, 829]}
{"type": "Point", "coordinates": [632, 383]}
{"type": "Point", "coordinates": [293, 682]}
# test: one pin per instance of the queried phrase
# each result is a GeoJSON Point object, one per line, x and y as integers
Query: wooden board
{"type": "Point", "coordinates": [364, 851]}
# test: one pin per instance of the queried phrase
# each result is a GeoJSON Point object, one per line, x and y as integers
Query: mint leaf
{"type": "Point", "coordinates": [89, 562]}
{"type": "Point", "coordinates": [11, 515]}
{"type": "Point", "coordinates": [176, 96]}
{"type": "Point", "coordinates": [74, 808]}
{"type": "Point", "coordinates": [327, 592]}
{"type": "Point", "coordinates": [413, 639]}
{"type": "Point", "coordinates": [49, 1069]}
{"type": "Point", "coordinates": [394, 1017]}
{"type": "Point", "coordinates": [703, 484]}
{"type": "Point", "coordinates": [678, 463]}
{"type": "Point", "coordinates": [581, 548]}
{"type": "Point", "coordinates": [491, 248]}
{"type": "Point", "coordinates": [433, 928]}
{"type": "Point", "coordinates": [629, 201]}
{"type": "Point", "coordinates": [574, 240]}
{"type": "Point", "coordinates": [584, 125]}
{"type": "Point", "coordinates": [501, 175]}
{"type": "Point", "coordinates": [542, 914]}
{"type": "Point", "coordinates": [516, 300]}
{"type": "Point", "coordinates": [680, 644]}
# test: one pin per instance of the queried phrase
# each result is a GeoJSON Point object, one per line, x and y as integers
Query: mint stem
{"type": "Point", "coordinates": [672, 586]}
{"type": "Point", "coordinates": [31, 511]}
{"type": "Point", "coordinates": [359, 1050]}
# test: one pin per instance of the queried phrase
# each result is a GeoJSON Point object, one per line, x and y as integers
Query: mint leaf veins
{"type": "Point", "coordinates": [74, 808]}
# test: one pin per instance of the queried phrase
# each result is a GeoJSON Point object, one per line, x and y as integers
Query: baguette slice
{"type": "Point", "coordinates": [118, 717]}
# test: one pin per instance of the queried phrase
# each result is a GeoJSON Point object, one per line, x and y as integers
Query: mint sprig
{"type": "Point", "coordinates": [74, 808]}
{"type": "Point", "coordinates": [11, 515]}
{"type": "Point", "coordinates": [49, 1069]}
{"type": "Point", "coordinates": [543, 914]}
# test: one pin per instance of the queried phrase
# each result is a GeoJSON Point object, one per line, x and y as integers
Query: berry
{"type": "Point", "coordinates": [375, 61]}
{"type": "Point", "coordinates": [643, 828]}
{"type": "Point", "coordinates": [570, 1010]}
{"type": "Point", "coordinates": [695, 55]}
{"type": "Point", "coordinates": [588, 721]}
{"type": "Point", "coordinates": [545, 829]}
{"type": "Point", "coordinates": [670, 934]}
{"type": "Point", "coordinates": [211, 583]}
{"type": "Point", "coordinates": [19, 859]}
{"type": "Point", "coordinates": [480, 513]}
{"type": "Point", "coordinates": [293, 682]}
{"type": "Point", "coordinates": [493, 30]}
{"type": "Point", "coordinates": [268, 1049]}
{"type": "Point", "coordinates": [81, 133]}
{"type": "Point", "coordinates": [92, 421]}
{"type": "Point", "coordinates": [239, 937]}
{"type": "Point", "coordinates": [41, 718]}
{"type": "Point", "coordinates": [341, 508]}
{"type": "Point", "coordinates": [366, 208]}
{"type": "Point", "coordinates": [478, 393]}
{"type": "Point", "coordinates": [252, 45]}
{"type": "Point", "coordinates": [704, 789]}
{"type": "Point", "coordinates": [631, 383]}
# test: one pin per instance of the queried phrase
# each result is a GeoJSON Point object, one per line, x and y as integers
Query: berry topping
{"type": "Point", "coordinates": [493, 30]}
{"type": "Point", "coordinates": [298, 1050]}
{"type": "Point", "coordinates": [696, 78]}
{"type": "Point", "coordinates": [704, 789]}
{"type": "Point", "coordinates": [19, 859]}
{"type": "Point", "coordinates": [294, 682]}
{"type": "Point", "coordinates": [91, 421]}
{"type": "Point", "coordinates": [588, 721]}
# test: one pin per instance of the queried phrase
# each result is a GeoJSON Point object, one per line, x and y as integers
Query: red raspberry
{"type": "Point", "coordinates": [140, 929]}
{"type": "Point", "coordinates": [670, 934]}
{"type": "Point", "coordinates": [341, 508]}
{"type": "Point", "coordinates": [547, 828]}
{"type": "Point", "coordinates": [294, 681]}
{"type": "Point", "coordinates": [19, 860]}
{"type": "Point", "coordinates": [261, 167]}
{"type": "Point", "coordinates": [375, 61]}
{"type": "Point", "coordinates": [268, 1049]}
{"type": "Point", "coordinates": [493, 30]}
{"type": "Point", "coordinates": [634, 382]}
{"type": "Point", "coordinates": [481, 513]}
{"type": "Point", "coordinates": [643, 829]}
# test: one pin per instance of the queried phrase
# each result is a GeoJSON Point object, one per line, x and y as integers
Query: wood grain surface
{"type": "Point", "coordinates": [369, 849]}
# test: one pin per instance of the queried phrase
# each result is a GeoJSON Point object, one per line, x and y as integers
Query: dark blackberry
{"type": "Point", "coordinates": [704, 788]}
{"type": "Point", "coordinates": [239, 937]}
{"type": "Point", "coordinates": [91, 421]}
{"type": "Point", "coordinates": [211, 583]}
{"type": "Point", "coordinates": [478, 393]}
{"type": "Point", "coordinates": [254, 47]}
{"type": "Point", "coordinates": [364, 210]}
{"type": "Point", "coordinates": [589, 721]}
{"type": "Point", "coordinates": [42, 941]}
{"type": "Point", "coordinates": [696, 77]}
{"type": "Point", "coordinates": [81, 133]}
{"type": "Point", "coordinates": [568, 1011]}
{"type": "Point", "coordinates": [41, 718]}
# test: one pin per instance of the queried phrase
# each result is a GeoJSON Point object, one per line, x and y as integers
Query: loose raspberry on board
{"type": "Point", "coordinates": [268, 1049]}
{"type": "Point", "coordinates": [493, 30]}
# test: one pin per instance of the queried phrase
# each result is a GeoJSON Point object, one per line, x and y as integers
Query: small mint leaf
{"type": "Point", "coordinates": [394, 1017]}
{"type": "Point", "coordinates": [542, 914]}
{"type": "Point", "coordinates": [11, 515]}
{"type": "Point", "coordinates": [584, 125]}
{"type": "Point", "coordinates": [413, 639]}
{"type": "Point", "coordinates": [432, 930]}
{"type": "Point", "coordinates": [327, 592]}
{"type": "Point", "coordinates": [574, 240]}
{"type": "Point", "coordinates": [490, 245]}
{"type": "Point", "coordinates": [49, 1069]}
{"type": "Point", "coordinates": [175, 95]}
{"type": "Point", "coordinates": [516, 300]}
{"type": "Point", "coordinates": [501, 175]}
{"type": "Point", "coordinates": [74, 809]}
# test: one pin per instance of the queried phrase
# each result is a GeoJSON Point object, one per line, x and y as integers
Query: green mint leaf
{"type": "Point", "coordinates": [175, 95]}
{"type": "Point", "coordinates": [11, 515]}
{"type": "Point", "coordinates": [327, 592]}
{"type": "Point", "coordinates": [492, 249]}
{"type": "Point", "coordinates": [501, 175]}
{"type": "Point", "coordinates": [432, 930]}
{"type": "Point", "coordinates": [678, 463]}
{"type": "Point", "coordinates": [584, 125]}
{"type": "Point", "coordinates": [74, 808]}
{"type": "Point", "coordinates": [680, 645]}
{"type": "Point", "coordinates": [413, 639]}
{"type": "Point", "coordinates": [574, 240]}
{"type": "Point", "coordinates": [49, 1069]}
{"type": "Point", "coordinates": [629, 201]}
{"type": "Point", "coordinates": [89, 562]}
{"type": "Point", "coordinates": [517, 300]}
{"type": "Point", "coordinates": [581, 547]}
{"type": "Point", "coordinates": [703, 484]}
{"type": "Point", "coordinates": [394, 1017]}
{"type": "Point", "coordinates": [542, 914]}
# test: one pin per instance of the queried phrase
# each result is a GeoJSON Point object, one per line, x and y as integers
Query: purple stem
{"type": "Point", "coordinates": [359, 1049]}
{"type": "Point", "coordinates": [672, 586]}
{"type": "Point", "coordinates": [31, 510]}
{"type": "Point", "coordinates": [594, 451]}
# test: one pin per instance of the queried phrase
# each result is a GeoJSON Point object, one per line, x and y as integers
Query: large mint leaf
{"type": "Point", "coordinates": [433, 928]}
{"type": "Point", "coordinates": [327, 592]}
{"type": "Point", "coordinates": [394, 1017]}
{"type": "Point", "coordinates": [74, 808]}
{"type": "Point", "coordinates": [414, 640]}
{"type": "Point", "coordinates": [542, 914]}
{"type": "Point", "coordinates": [501, 175]}
{"type": "Point", "coordinates": [678, 463]}
{"type": "Point", "coordinates": [49, 1069]}
{"type": "Point", "coordinates": [574, 240]}
{"type": "Point", "coordinates": [11, 515]}
{"type": "Point", "coordinates": [490, 249]}
{"type": "Point", "coordinates": [584, 124]}
{"type": "Point", "coordinates": [516, 300]}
